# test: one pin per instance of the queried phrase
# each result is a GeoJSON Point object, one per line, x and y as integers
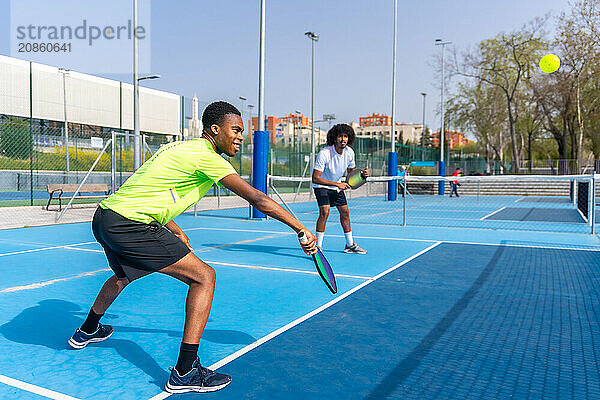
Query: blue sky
{"type": "Point", "coordinates": [210, 48]}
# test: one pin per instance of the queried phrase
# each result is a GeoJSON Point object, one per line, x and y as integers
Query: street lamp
{"type": "Point", "coordinates": [440, 42]}
{"type": "Point", "coordinates": [297, 125]}
{"type": "Point", "coordinates": [326, 118]}
{"type": "Point", "coordinates": [156, 76]}
{"type": "Point", "coordinates": [64, 73]}
{"type": "Point", "coordinates": [243, 99]}
{"type": "Point", "coordinates": [423, 132]}
{"type": "Point", "coordinates": [314, 38]}
{"type": "Point", "coordinates": [442, 167]}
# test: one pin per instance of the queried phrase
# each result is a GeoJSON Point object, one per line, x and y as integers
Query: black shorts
{"type": "Point", "coordinates": [135, 249]}
{"type": "Point", "coordinates": [330, 197]}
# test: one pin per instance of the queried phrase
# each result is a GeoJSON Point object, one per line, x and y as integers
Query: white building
{"type": "Point", "coordinates": [298, 136]}
{"type": "Point", "coordinates": [87, 99]}
{"type": "Point", "coordinates": [405, 133]}
{"type": "Point", "coordinates": [194, 128]}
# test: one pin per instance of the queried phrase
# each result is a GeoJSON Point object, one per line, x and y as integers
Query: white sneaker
{"type": "Point", "coordinates": [354, 249]}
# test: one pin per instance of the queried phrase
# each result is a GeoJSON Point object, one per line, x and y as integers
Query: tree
{"type": "Point", "coordinates": [478, 108]}
{"type": "Point", "coordinates": [505, 62]}
{"type": "Point", "coordinates": [15, 140]}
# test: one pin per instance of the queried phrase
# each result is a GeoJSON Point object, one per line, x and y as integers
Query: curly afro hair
{"type": "Point", "coordinates": [340, 129]}
{"type": "Point", "coordinates": [215, 112]}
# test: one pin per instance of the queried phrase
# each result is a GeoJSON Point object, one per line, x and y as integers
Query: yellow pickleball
{"type": "Point", "coordinates": [549, 63]}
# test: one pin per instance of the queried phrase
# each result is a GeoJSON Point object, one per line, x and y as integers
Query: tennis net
{"type": "Point", "coordinates": [530, 202]}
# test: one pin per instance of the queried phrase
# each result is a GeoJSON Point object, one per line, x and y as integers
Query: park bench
{"type": "Point", "coordinates": [95, 190]}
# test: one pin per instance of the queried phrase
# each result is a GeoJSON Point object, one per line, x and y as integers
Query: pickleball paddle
{"type": "Point", "coordinates": [356, 178]}
{"type": "Point", "coordinates": [323, 266]}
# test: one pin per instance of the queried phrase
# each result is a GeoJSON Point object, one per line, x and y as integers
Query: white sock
{"type": "Point", "coordinates": [349, 240]}
{"type": "Point", "coordinates": [320, 236]}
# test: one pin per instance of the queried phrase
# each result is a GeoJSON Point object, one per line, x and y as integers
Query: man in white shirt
{"type": "Point", "coordinates": [332, 162]}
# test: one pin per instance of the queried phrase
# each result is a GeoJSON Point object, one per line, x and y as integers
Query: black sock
{"type": "Point", "coordinates": [187, 354]}
{"type": "Point", "coordinates": [91, 323]}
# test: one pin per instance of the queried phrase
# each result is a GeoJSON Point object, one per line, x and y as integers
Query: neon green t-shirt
{"type": "Point", "coordinates": [175, 178]}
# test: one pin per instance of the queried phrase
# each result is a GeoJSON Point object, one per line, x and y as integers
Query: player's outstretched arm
{"type": "Point", "coordinates": [262, 202]}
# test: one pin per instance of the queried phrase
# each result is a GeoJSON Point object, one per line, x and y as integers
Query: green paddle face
{"type": "Point", "coordinates": [322, 265]}
{"type": "Point", "coordinates": [356, 179]}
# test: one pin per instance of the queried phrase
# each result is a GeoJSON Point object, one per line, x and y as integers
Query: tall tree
{"type": "Point", "coordinates": [505, 62]}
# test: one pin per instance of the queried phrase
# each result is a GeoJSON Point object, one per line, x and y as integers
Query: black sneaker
{"type": "Point", "coordinates": [354, 249]}
{"type": "Point", "coordinates": [80, 339]}
{"type": "Point", "coordinates": [199, 379]}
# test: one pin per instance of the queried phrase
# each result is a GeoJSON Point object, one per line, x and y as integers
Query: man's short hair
{"type": "Point", "coordinates": [215, 112]}
{"type": "Point", "coordinates": [340, 129]}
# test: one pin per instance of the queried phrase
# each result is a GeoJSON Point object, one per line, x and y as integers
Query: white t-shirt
{"type": "Point", "coordinates": [333, 165]}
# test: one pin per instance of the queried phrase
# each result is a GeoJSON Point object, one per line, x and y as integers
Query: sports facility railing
{"type": "Point", "coordinates": [524, 202]}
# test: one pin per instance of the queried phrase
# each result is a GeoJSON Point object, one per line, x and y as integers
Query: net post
{"type": "Point", "coordinates": [442, 173]}
{"type": "Point", "coordinates": [392, 189]}
{"type": "Point", "coordinates": [260, 163]}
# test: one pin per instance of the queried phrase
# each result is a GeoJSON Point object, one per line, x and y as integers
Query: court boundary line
{"type": "Point", "coordinates": [282, 269]}
{"type": "Point", "coordinates": [44, 248]}
{"type": "Point", "coordinates": [38, 285]}
{"type": "Point", "coordinates": [489, 215]}
{"type": "Point", "coordinates": [288, 326]}
{"type": "Point", "coordinates": [583, 216]}
{"type": "Point", "coordinates": [28, 387]}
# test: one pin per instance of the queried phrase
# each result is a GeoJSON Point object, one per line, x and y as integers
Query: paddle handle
{"type": "Point", "coordinates": [302, 237]}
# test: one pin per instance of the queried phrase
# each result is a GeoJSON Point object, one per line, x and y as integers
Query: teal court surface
{"type": "Point", "coordinates": [469, 309]}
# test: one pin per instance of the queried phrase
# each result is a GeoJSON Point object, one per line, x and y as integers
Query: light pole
{"type": "Point", "coordinates": [243, 99]}
{"type": "Point", "coordinates": [440, 42]}
{"type": "Point", "coordinates": [297, 126]}
{"type": "Point", "coordinates": [136, 93]}
{"type": "Point", "coordinates": [442, 164]}
{"type": "Point", "coordinates": [137, 144]}
{"type": "Point", "coordinates": [423, 132]}
{"type": "Point", "coordinates": [314, 38]}
{"type": "Point", "coordinates": [64, 73]}
{"type": "Point", "coordinates": [393, 130]}
{"type": "Point", "coordinates": [251, 127]}
{"type": "Point", "coordinates": [392, 155]}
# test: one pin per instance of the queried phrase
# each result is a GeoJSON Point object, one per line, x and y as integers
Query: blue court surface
{"type": "Point", "coordinates": [429, 313]}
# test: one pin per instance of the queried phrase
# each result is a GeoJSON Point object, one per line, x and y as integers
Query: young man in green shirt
{"type": "Point", "coordinates": [136, 229]}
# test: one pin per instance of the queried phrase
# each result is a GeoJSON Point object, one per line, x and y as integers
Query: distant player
{"type": "Point", "coordinates": [332, 162]}
{"type": "Point", "coordinates": [402, 173]}
{"type": "Point", "coordinates": [454, 184]}
{"type": "Point", "coordinates": [136, 229]}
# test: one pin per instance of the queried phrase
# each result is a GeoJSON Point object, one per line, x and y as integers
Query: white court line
{"type": "Point", "coordinates": [51, 282]}
{"type": "Point", "coordinates": [283, 269]}
{"type": "Point", "coordinates": [582, 216]}
{"type": "Point", "coordinates": [51, 394]}
{"type": "Point", "coordinates": [235, 230]}
{"type": "Point", "coordinates": [489, 215]}
{"type": "Point", "coordinates": [264, 339]}
{"type": "Point", "coordinates": [476, 243]}
{"type": "Point", "coordinates": [44, 248]}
